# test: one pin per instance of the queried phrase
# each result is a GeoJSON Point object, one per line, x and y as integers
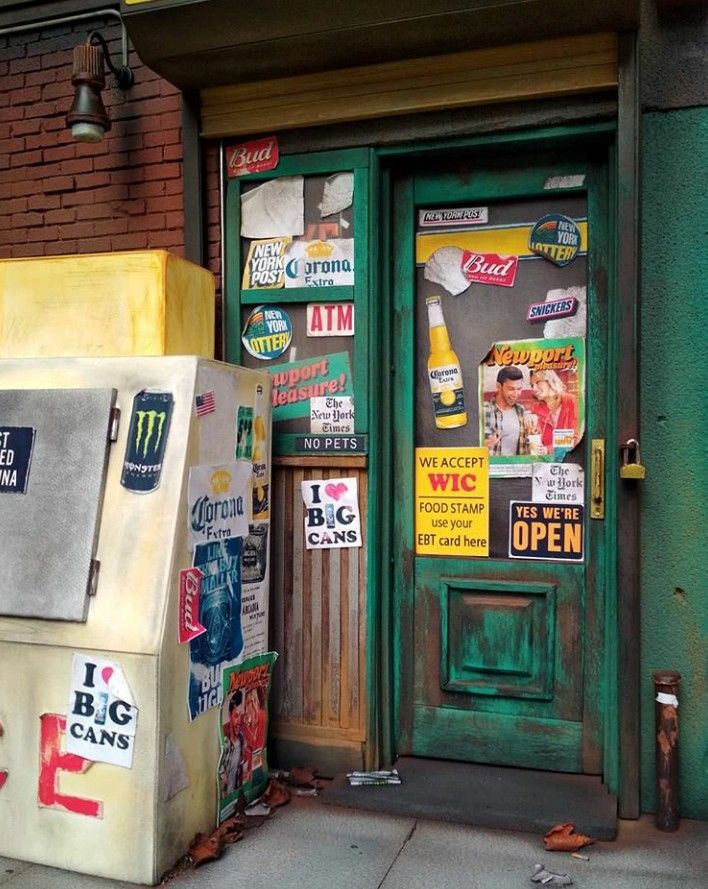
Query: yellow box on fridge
{"type": "Point", "coordinates": [141, 303]}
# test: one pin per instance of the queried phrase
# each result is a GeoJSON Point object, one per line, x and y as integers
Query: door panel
{"type": "Point", "coordinates": [497, 667]}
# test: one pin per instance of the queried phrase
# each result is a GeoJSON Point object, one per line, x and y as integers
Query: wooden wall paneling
{"type": "Point", "coordinates": [318, 620]}
{"type": "Point", "coordinates": [539, 69]}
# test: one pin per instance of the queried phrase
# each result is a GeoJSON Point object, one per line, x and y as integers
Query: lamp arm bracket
{"type": "Point", "coordinates": [123, 74]}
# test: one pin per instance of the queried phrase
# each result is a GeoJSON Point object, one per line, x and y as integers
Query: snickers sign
{"type": "Point", "coordinates": [557, 308]}
{"type": "Point", "coordinates": [252, 157]}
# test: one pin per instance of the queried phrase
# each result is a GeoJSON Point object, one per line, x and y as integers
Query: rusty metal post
{"type": "Point", "coordinates": [667, 760]}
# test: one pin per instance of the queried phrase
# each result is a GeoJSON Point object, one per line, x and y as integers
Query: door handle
{"type": "Point", "coordinates": [597, 472]}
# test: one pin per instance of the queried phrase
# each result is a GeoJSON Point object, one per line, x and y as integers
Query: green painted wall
{"type": "Point", "coordinates": [674, 330]}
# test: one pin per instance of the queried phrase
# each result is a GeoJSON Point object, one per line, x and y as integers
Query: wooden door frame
{"type": "Point", "coordinates": [396, 615]}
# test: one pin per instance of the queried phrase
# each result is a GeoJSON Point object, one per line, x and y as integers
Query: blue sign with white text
{"type": "Point", "coordinates": [16, 444]}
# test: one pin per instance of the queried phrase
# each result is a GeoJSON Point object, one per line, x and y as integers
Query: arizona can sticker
{"type": "Point", "coordinates": [147, 439]}
{"type": "Point", "coordinates": [16, 446]}
{"type": "Point", "coordinates": [555, 237]}
{"type": "Point", "coordinates": [267, 332]}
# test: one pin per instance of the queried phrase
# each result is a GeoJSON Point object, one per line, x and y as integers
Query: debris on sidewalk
{"type": "Point", "coordinates": [304, 782]}
{"type": "Point", "coordinates": [205, 847]}
{"type": "Point", "coordinates": [373, 779]}
{"type": "Point", "coordinates": [562, 839]}
{"type": "Point", "coordinates": [276, 794]}
{"type": "Point", "coordinates": [548, 878]}
{"type": "Point", "coordinates": [256, 809]}
{"type": "Point", "coordinates": [579, 856]}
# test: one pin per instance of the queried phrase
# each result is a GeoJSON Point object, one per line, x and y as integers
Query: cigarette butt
{"type": "Point", "coordinates": [580, 856]}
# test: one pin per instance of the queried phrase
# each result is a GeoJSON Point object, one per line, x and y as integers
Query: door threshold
{"type": "Point", "coordinates": [487, 796]}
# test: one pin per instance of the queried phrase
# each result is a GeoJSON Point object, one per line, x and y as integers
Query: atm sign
{"type": "Point", "coordinates": [546, 531]}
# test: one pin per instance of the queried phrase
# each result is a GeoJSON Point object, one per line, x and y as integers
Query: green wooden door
{"type": "Point", "coordinates": [500, 658]}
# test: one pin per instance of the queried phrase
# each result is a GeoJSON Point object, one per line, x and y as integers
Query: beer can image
{"type": "Point", "coordinates": [254, 555]}
{"type": "Point", "coordinates": [101, 707]}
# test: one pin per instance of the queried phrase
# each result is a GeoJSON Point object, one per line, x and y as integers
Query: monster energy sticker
{"type": "Point", "coordinates": [147, 438]}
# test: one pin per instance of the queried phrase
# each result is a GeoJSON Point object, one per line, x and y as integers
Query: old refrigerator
{"type": "Point", "coordinates": [99, 539]}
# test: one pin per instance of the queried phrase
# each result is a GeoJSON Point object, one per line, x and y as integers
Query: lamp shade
{"type": "Point", "coordinates": [88, 118]}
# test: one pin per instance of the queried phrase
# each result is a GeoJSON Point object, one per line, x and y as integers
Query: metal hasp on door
{"type": "Point", "coordinates": [54, 446]}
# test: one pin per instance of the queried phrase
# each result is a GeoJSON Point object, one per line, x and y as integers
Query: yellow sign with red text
{"type": "Point", "coordinates": [452, 502]}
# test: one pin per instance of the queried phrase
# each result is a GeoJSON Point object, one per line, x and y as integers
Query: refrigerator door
{"type": "Point", "coordinates": [54, 447]}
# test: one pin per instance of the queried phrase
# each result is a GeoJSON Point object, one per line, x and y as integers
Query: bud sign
{"type": "Point", "coordinates": [190, 588]}
{"type": "Point", "coordinates": [252, 157]}
{"type": "Point", "coordinates": [489, 268]}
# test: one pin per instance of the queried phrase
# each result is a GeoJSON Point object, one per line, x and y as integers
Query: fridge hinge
{"type": "Point", "coordinates": [93, 577]}
{"type": "Point", "coordinates": [114, 425]}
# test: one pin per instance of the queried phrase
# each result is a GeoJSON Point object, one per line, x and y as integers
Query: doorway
{"type": "Point", "coordinates": [500, 343]}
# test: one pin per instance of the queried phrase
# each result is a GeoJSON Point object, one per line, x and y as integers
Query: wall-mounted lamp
{"type": "Point", "coordinates": [88, 118]}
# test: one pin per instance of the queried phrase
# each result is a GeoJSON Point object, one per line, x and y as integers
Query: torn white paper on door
{"type": "Point", "coordinates": [445, 268]}
{"type": "Point", "coordinates": [275, 209]}
{"type": "Point", "coordinates": [572, 325]}
{"type": "Point", "coordinates": [338, 194]}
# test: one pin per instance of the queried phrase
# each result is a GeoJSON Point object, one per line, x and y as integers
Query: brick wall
{"type": "Point", "coordinates": [58, 196]}
{"type": "Point", "coordinates": [212, 201]}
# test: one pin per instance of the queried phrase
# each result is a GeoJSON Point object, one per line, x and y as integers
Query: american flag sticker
{"type": "Point", "coordinates": [205, 403]}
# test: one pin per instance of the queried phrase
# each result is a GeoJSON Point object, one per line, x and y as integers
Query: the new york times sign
{"type": "Point", "coordinates": [147, 437]}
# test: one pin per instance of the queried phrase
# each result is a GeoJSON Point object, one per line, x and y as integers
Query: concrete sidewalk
{"type": "Point", "coordinates": [306, 845]}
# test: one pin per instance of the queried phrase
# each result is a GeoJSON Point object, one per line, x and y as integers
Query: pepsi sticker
{"type": "Point", "coordinates": [556, 238]}
{"type": "Point", "coordinates": [267, 333]}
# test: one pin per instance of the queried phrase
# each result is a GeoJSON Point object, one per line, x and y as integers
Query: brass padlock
{"type": "Point", "coordinates": [631, 466]}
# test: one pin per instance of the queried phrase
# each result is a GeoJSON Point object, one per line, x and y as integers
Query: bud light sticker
{"type": "Point", "coordinates": [252, 157]}
{"type": "Point", "coordinates": [190, 588]}
{"type": "Point", "coordinates": [267, 333]}
{"type": "Point", "coordinates": [147, 438]}
{"type": "Point", "coordinates": [221, 644]}
{"type": "Point", "coordinates": [556, 238]}
{"type": "Point", "coordinates": [16, 445]}
{"type": "Point", "coordinates": [331, 513]}
{"type": "Point", "coordinates": [101, 717]}
{"type": "Point", "coordinates": [218, 498]}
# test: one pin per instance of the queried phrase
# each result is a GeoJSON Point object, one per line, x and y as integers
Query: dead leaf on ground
{"type": "Point", "coordinates": [276, 794]}
{"type": "Point", "coordinates": [298, 777]}
{"type": "Point", "coordinates": [561, 838]}
{"type": "Point", "coordinates": [204, 848]}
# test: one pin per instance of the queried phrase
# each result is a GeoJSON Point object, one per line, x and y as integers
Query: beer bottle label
{"type": "Point", "coordinates": [446, 388]}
